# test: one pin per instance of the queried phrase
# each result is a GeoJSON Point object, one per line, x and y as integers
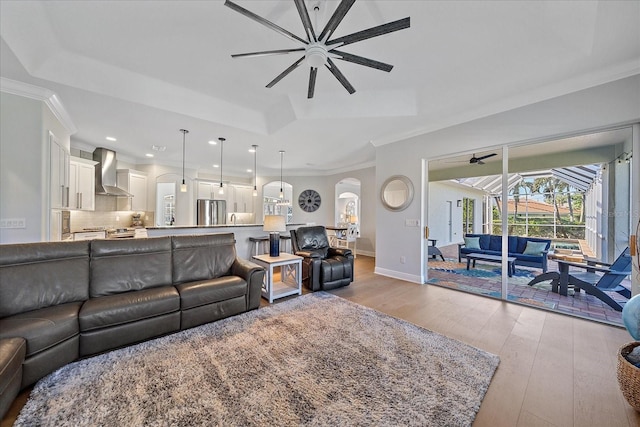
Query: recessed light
{"type": "Point", "coordinates": [212, 142]}
{"type": "Point", "coordinates": [158, 147]}
{"type": "Point", "coordinates": [249, 170]}
{"type": "Point", "coordinates": [252, 150]}
{"type": "Point", "coordinates": [149, 155]}
{"type": "Point", "coordinates": [216, 166]}
{"type": "Point", "coordinates": [110, 138]}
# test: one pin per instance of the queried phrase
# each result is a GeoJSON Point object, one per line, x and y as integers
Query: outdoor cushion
{"type": "Point", "coordinates": [472, 242]}
{"type": "Point", "coordinates": [495, 243]}
{"type": "Point", "coordinates": [512, 244]}
{"type": "Point", "coordinates": [534, 248]}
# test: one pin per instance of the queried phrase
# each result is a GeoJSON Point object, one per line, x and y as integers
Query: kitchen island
{"type": "Point", "coordinates": [242, 232]}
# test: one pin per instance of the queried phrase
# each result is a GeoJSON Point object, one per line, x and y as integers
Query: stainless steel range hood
{"type": "Point", "coordinates": [106, 173]}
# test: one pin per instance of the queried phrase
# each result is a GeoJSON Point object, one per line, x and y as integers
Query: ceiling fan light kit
{"type": "Point", "coordinates": [318, 50]}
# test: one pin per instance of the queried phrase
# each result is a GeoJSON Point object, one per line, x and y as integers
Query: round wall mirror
{"type": "Point", "coordinates": [396, 193]}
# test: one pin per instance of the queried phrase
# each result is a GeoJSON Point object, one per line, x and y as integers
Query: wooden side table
{"type": "Point", "coordinates": [290, 275]}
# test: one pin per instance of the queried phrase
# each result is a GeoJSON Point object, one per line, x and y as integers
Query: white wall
{"type": "Point", "coordinates": [442, 192]}
{"type": "Point", "coordinates": [598, 107]}
{"type": "Point", "coordinates": [24, 165]}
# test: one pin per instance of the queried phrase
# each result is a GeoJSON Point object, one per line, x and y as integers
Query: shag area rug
{"type": "Point", "coordinates": [314, 360]}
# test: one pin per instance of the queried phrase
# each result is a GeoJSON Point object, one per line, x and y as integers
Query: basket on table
{"type": "Point", "coordinates": [629, 376]}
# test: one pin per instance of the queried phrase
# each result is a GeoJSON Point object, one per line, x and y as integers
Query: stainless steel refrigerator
{"type": "Point", "coordinates": [211, 212]}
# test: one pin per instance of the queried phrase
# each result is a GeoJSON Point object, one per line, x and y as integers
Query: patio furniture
{"type": "Point", "coordinates": [528, 251]}
{"type": "Point", "coordinates": [433, 251]}
{"type": "Point", "coordinates": [492, 258]}
{"type": "Point", "coordinates": [598, 278]}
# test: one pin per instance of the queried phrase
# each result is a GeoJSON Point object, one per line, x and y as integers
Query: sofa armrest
{"type": "Point", "coordinates": [253, 274]}
{"type": "Point", "coordinates": [345, 252]}
{"type": "Point", "coordinates": [308, 254]}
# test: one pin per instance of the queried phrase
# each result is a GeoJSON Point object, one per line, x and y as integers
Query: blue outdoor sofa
{"type": "Point", "coordinates": [535, 255]}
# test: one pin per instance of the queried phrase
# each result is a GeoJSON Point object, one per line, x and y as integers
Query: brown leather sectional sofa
{"type": "Point", "coordinates": [61, 301]}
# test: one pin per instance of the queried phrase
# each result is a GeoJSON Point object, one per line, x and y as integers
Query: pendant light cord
{"type": "Point", "coordinates": [221, 145]}
{"type": "Point", "coordinates": [184, 133]}
{"type": "Point", "coordinates": [281, 156]}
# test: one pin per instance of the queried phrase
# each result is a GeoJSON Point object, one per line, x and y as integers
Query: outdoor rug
{"type": "Point", "coordinates": [313, 360]}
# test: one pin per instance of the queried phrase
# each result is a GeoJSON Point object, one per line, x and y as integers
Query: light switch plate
{"type": "Point", "coordinates": [13, 223]}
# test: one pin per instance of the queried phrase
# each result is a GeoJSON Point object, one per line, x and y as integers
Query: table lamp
{"type": "Point", "coordinates": [274, 224]}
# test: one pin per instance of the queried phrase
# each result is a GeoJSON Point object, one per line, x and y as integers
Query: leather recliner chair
{"type": "Point", "coordinates": [323, 267]}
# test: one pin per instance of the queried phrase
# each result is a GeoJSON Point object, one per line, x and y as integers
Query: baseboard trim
{"type": "Point", "coordinates": [398, 275]}
{"type": "Point", "coordinates": [366, 253]}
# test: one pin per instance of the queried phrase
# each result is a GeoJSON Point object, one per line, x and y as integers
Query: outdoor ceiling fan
{"type": "Point", "coordinates": [479, 160]}
{"type": "Point", "coordinates": [319, 50]}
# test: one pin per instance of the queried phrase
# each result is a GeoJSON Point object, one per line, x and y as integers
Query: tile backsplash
{"type": "Point", "coordinates": [109, 219]}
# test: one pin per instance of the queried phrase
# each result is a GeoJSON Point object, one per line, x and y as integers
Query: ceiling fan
{"type": "Point", "coordinates": [479, 160]}
{"type": "Point", "coordinates": [318, 49]}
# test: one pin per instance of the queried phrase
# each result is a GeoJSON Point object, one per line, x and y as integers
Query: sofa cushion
{"type": "Point", "coordinates": [35, 276]}
{"type": "Point", "coordinates": [495, 243]}
{"type": "Point", "coordinates": [472, 242]}
{"type": "Point", "coordinates": [512, 244]}
{"type": "Point", "coordinates": [534, 248]}
{"type": "Point", "coordinates": [195, 294]}
{"type": "Point", "coordinates": [44, 328]}
{"type": "Point", "coordinates": [202, 257]}
{"type": "Point", "coordinates": [522, 243]}
{"type": "Point", "coordinates": [129, 265]}
{"type": "Point", "coordinates": [128, 307]}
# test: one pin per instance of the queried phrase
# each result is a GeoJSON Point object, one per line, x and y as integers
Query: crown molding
{"type": "Point", "coordinates": [38, 93]}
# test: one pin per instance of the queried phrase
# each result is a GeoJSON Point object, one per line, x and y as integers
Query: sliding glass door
{"type": "Point", "coordinates": [519, 212]}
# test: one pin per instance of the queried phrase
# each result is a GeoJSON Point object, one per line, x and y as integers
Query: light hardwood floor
{"type": "Point", "coordinates": [554, 370]}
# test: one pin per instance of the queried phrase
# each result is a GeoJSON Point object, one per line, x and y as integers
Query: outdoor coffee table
{"type": "Point", "coordinates": [492, 258]}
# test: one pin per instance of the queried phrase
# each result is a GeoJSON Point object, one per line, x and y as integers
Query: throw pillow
{"type": "Point", "coordinates": [472, 242]}
{"type": "Point", "coordinates": [534, 248]}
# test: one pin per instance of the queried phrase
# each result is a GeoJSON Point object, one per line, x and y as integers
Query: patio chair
{"type": "Point", "coordinates": [597, 278]}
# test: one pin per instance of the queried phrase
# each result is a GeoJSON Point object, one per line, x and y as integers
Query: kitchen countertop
{"type": "Point", "coordinates": [174, 227]}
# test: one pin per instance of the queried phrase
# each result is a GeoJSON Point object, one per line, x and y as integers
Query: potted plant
{"type": "Point", "coordinates": [629, 354]}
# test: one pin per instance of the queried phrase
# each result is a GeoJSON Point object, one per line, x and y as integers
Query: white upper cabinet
{"type": "Point", "coordinates": [211, 190]}
{"type": "Point", "coordinates": [82, 177]}
{"type": "Point", "coordinates": [242, 199]}
{"type": "Point", "coordinates": [59, 173]}
{"type": "Point", "coordinates": [134, 182]}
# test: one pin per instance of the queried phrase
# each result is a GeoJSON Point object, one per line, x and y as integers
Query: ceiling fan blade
{"type": "Point", "coordinates": [285, 72]}
{"type": "Point", "coordinates": [341, 78]}
{"type": "Point", "coordinates": [479, 162]}
{"type": "Point", "coordinates": [487, 156]}
{"type": "Point", "coordinates": [363, 61]}
{"type": "Point", "coordinates": [306, 22]}
{"type": "Point", "coordinates": [263, 21]}
{"type": "Point", "coordinates": [336, 18]}
{"type": "Point", "coordinates": [266, 53]}
{"type": "Point", "coordinates": [312, 82]}
{"type": "Point", "coordinates": [390, 27]}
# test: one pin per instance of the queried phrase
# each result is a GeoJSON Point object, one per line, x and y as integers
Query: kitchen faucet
{"type": "Point", "coordinates": [233, 218]}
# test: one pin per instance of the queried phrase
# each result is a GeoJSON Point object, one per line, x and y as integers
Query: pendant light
{"type": "Point", "coordinates": [183, 186]}
{"type": "Point", "coordinates": [221, 191]}
{"type": "Point", "coordinates": [255, 170]}
{"type": "Point", "coordinates": [281, 190]}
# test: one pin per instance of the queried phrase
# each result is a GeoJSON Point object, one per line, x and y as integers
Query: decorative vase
{"type": "Point", "coordinates": [629, 376]}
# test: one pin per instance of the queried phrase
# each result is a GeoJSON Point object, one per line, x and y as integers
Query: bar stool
{"type": "Point", "coordinates": [264, 240]}
{"type": "Point", "coordinates": [284, 239]}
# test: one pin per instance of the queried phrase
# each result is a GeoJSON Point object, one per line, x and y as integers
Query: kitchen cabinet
{"type": "Point", "coordinates": [134, 182]}
{"type": "Point", "coordinates": [242, 199]}
{"type": "Point", "coordinates": [58, 173]}
{"type": "Point", "coordinates": [82, 178]}
{"type": "Point", "coordinates": [209, 190]}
